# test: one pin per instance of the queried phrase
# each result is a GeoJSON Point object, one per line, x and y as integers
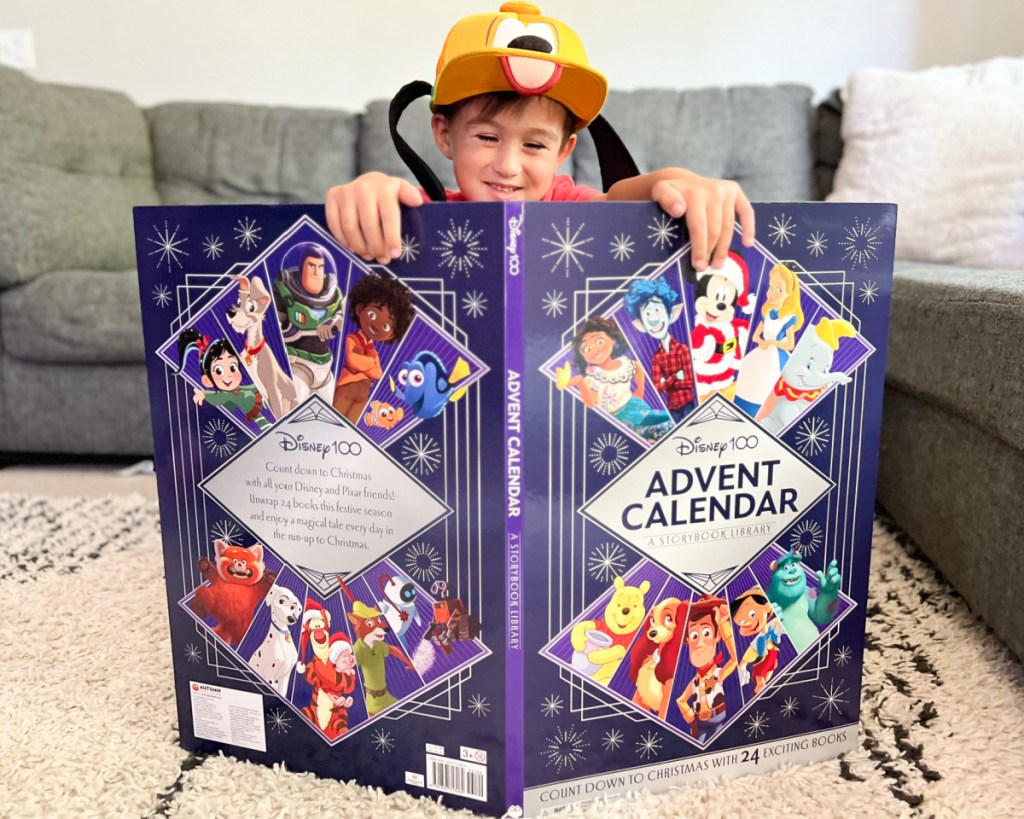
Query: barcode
{"type": "Point", "coordinates": [457, 777]}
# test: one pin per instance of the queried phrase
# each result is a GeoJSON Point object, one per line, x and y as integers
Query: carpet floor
{"type": "Point", "coordinates": [87, 717]}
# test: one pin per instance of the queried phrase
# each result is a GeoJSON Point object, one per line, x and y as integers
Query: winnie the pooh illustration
{"type": "Point", "coordinates": [600, 645]}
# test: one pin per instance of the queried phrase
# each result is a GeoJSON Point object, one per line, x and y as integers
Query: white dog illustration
{"type": "Point", "coordinates": [277, 654]}
{"type": "Point", "coordinates": [247, 317]}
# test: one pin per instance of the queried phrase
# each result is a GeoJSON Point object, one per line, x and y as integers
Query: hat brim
{"type": "Point", "coordinates": [581, 89]}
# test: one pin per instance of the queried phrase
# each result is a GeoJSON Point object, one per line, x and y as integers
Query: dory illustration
{"type": "Point", "coordinates": [426, 385]}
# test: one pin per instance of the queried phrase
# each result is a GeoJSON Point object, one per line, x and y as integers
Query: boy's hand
{"type": "Point", "coordinates": [711, 207]}
{"type": "Point", "coordinates": [365, 217]}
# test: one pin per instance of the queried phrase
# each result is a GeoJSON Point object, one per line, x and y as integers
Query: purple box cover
{"type": "Point", "coordinates": [536, 513]}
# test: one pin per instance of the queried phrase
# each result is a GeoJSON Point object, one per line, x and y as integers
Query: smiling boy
{"type": "Point", "coordinates": [510, 92]}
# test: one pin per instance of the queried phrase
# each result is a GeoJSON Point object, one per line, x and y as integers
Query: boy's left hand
{"type": "Point", "coordinates": [711, 207]}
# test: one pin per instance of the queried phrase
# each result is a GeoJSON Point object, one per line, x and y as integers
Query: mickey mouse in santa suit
{"type": "Point", "coordinates": [719, 338]}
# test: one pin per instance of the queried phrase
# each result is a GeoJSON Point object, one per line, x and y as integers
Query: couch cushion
{"type": "Point", "coordinates": [74, 317]}
{"type": "Point", "coordinates": [73, 163]}
{"type": "Point", "coordinates": [377, 152]}
{"type": "Point", "coordinates": [955, 339]}
{"type": "Point", "coordinates": [221, 153]}
{"type": "Point", "coordinates": [757, 135]}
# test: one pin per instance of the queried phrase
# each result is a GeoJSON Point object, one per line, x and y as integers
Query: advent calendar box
{"type": "Point", "coordinates": [535, 514]}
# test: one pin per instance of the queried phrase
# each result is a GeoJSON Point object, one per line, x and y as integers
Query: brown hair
{"type": "Point", "coordinates": [496, 102]}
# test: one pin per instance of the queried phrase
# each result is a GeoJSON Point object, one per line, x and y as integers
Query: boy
{"type": "Point", "coordinates": [509, 94]}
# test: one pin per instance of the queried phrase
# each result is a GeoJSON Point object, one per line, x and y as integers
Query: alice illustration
{"type": "Point", "coordinates": [610, 379]}
{"type": "Point", "coordinates": [222, 376]}
{"type": "Point", "coordinates": [775, 337]}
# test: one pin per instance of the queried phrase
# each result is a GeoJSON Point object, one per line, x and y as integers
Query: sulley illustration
{"type": "Point", "coordinates": [807, 374]}
{"type": "Point", "coordinates": [803, 614]}
{"type": "Point", "coordinates": [238, 582]}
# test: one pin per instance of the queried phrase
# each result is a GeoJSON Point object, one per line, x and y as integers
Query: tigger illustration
{"type": "Point", "coordinates": [238, 582]}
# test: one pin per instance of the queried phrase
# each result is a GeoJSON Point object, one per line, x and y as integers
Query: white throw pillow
{"type": "Point", "coordinates": [947, 145]}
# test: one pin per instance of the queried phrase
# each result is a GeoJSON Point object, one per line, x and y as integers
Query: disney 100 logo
{"type": "Point", "coordinates": [293, 443]}
{"type": "Point", "coordinates": [698, 446]}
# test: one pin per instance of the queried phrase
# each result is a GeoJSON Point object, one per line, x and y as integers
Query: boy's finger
{"type": "Point", "coordinates": [391, 227]}
{"type": "Point", "coordinates": [353, 235]}
{"type": "Point", "coordinates": [745, 211]}
{"type": "Point", "coordinates": [370, 223]}
{"type": "Point", "coordinates": [714, 233]}
{"type": "Point", "coordinates": [725, 237]}
{"type": "Point", "coordinates": [697, 224]}
{"type": "Point", "coordinates": [409, 195]}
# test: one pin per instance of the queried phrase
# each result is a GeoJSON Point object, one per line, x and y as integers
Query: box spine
{"type": "Point", "coordinates": [515, 354]}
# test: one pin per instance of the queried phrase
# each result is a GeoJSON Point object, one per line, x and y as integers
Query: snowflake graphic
{"type": "Point", "coordinates": [831, 699]}
{"type": "Point", "coordinates": [552, 705]}
{"type": "Point", "coordinates": [192, 653]}
{"type": "Point", "coordinates": [554, 303]}
{"type": "Point", "coordinates": [565, 748]}
{"type": "Point", "coordinates": [756, 725]}
{"type": "Point", "coordinates": [279, 721]}
{"type": "Point", "coordinates": [843, 655]}
{"type": "Point", "coordinates": [421, 454]}
{"type": "Point", "coordinates": [813, 436]}
{"type": "Point", "coordinates": [790, 707]}
{"type": "Point", "coordinates": [382, 741]}
{"type": "Point", "coordinates": [817, 244]}
{"type": "Point", "coordinates": [423, 562]}
{"type": "Point", "coordinates": [609, 453]}
{"type": "Point", "coordinates": [227, 531]}
{"type": "Point", "coordinates": [162, 295]}
{"type": "Point", "coordinates": [410, 249]}
{"type": "Point", "coordinates": [247, 234]}
{"type": "Point", "coordinates": [782, 230]}
{"type": "Point", "coordinates": [606, 561]}
{"type": "Point", "coordinates": [649, 745]}
{"type": "Point", "coordinates": [460, 248]}
{"type": "Point", "coordinates": [612, 739]}
{"type": "Point", "coordinates": [169, 246]}
{"type": "Point", "coordinates": [220, 438]}
{"type": "Point", "coordinates": [869, 292]}
{"type": "Point", "coordinates": [663, 231]}
{"type": "Point", "coordinates": [861, 243]}
{"type": "Point", "coordinates": [479, 705]}
{"type": "Point", "coordinates": [806, 537]}
{"type": "Point", "coordinates": [568, 247]}
{"type": "Point", "coordinates": [475, 304]}
{"type": "Point", "coordinates": [213, 247]}
{"type": "Point", "coordinates": [622, 247]}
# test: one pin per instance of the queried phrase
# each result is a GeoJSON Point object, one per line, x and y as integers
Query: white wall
{"type": "Point", "coordinates": [340, 53]}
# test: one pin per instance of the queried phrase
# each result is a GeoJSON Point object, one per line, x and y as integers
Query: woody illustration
{"type": "Point", "coordinates": [702, 702]}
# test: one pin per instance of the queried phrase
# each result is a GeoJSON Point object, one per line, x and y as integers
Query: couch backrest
{"type": "Point", "coordinates": [223, 153]}
{"type": "Point", "coordinates": [756, 135]}
{"type": "Point", "coordinates": [73, 163]}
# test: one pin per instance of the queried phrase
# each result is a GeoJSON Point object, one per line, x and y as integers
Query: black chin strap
{"type": "Point", "coordinates": [613, 157]}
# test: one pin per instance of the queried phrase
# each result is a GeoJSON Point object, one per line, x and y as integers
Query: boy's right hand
{"type": "Point", "coordinates": [364, 215]}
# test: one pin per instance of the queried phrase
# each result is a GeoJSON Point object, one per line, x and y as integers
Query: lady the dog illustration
{"type": "Point", "coordinates": [610, 379]}
{"type": "Point", "coordinates": [222, 376]}
{"type": "Point", "coordinates": [653, 659]}
{"type": "Point", "coordinates": [775, 337]}
{"type": "Point", "coordinates": [383, 310]}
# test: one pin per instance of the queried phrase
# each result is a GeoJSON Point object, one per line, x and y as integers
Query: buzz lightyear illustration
{"type": "Point", "coordinates": [308, 302]}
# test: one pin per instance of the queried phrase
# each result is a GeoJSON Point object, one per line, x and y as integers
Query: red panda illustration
{"type": "Point", "coordinates": [238, 582]}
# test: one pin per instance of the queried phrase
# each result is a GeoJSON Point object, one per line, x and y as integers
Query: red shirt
{"type": "Point", "coordinates": [666, 364]}
{"type": "Point", "coordinates": [562, 189]}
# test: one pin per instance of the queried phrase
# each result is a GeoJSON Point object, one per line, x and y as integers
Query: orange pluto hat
{"type": "Point", "coordinates": [518, 50]}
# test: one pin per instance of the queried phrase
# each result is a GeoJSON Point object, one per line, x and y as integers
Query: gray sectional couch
{"type": "Point", "coordinates": [73, 162]}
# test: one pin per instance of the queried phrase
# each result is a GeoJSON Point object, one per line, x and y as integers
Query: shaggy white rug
{"type": "Point", "coordinates": [87, 718]}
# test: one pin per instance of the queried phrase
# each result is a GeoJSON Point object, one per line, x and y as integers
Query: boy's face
{"type": "Point", "coordinates": [512, 155]}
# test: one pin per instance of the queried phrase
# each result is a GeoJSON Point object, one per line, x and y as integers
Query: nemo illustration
{"type": "Point", "coordinates": [383, 415]}
{"type": "Point", "coordinates": [238, 581]}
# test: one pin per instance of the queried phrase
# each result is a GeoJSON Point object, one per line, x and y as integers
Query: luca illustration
{"type": "Point", "coordinates": [807, 374]}
{"type": "Point", "coordinates": [221, 374]}
{"type": "Point", "coordinates": [383, 310]}
{"type": "Point", "coordinates": [654, 307]}
{"type": "Point", "coordinates": [308, 302]}
{"type": "Point", "coordinates": [426, 385]}
{"type": "Point", "coordinates": [237, 581]}
{"type": "Point", "coordinates": [719, 337]}
{"type": "Point", "coordinates": [247, 317]}
{"type": "Point", "coordinates": [775, 338]}
{"type": "Point", "coordinates": [599, 645]}
{"type": "Point", "coordinates": [702, 703]}
{"type": "Point", "coordinates": [610, 379]}
{"type": "Point", "coordinates": [802, 611]}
